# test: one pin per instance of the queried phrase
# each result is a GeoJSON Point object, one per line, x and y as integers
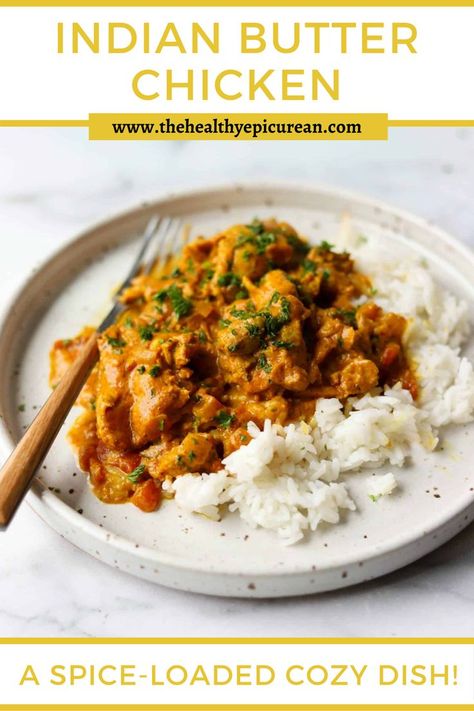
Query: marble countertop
{"type": "Point", "coordinates": [54, 183]}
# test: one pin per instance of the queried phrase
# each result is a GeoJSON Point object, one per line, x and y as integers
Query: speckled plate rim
{"type": "Point", "coordinates": [48, 506]}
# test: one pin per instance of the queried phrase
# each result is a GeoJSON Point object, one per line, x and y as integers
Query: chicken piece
{"type": "Point", "coordinates": [155, 399]}
{"type": "Point", "coordinates": [113, 396]}
{"type": "Point", "coordinates": [63, 354]}
{"type": "Point", "coordinates": [356, 378]}
{"type": "Point", "coordinates": [196, 453]}
{"type": "Point", "coordinates": [273, 283]}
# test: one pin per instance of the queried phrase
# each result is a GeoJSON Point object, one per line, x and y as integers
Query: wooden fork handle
{"type": "Point", "coordinates": [19, 470]}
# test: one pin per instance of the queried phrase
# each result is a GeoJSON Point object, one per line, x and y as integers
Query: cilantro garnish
{"type": "Point", "coordinates": [263, 363]}
{"type": "Point", "coordinates": [308, 266]}
{"type": "Point", "coordinates": [229, 279]}
{"type": "Point", "coordinates": [224, 418]}
{"type": "Point", "coordinates": [137, 474]}
{"type": "Point", "coordinates": [325, 246]}
{"type": "Point", "coordinates": [146, 332]}
{"type": "Point", "coordinates": [115, 342]}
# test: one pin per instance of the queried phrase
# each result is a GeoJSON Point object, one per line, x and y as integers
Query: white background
{"type": "Point", "coordinates": [37, 83]}
{"type": "Point", "coordinates": [54, 183]}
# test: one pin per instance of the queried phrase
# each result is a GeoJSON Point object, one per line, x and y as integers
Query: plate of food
{"type": "Point", "coordinates": [284, 407]}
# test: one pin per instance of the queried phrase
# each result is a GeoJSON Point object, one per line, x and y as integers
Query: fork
{"type": "Point", "coordinates": [17, 473]}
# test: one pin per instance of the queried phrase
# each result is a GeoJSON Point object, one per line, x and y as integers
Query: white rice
{"type": "Point", "coordinates": [381, 485]}
{"type": "Point", "coordinates": [287, 478]}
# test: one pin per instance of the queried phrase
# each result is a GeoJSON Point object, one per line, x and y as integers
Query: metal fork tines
{"type": "Point", "coordinates": [157, 245]}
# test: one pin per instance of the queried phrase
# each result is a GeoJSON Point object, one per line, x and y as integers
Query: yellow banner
{"type": "Point", "coordinates": [240, 127]}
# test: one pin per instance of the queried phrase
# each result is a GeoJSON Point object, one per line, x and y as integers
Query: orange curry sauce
{"type": "Point", "coordinates": [253, 323]}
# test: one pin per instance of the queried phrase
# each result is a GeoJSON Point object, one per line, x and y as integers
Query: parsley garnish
{"type": "Point", "coordinates": [146, 332]}
{"type": "Point", "coordinates": [202, 337]}
{"type": "Point", "coordinates": [223, 322]}
{"type": "Point", "coordinates": [325, 246]}
{"type": "Point", "coordinates": [297, 244]}
{"type": "Point", "coordinates": [232, 348]}
{"type": "Point", "coordinates": [253, 329]}
{"type": "Point", "coordinates": [225, 419]}
{"type": "Point", "coordinates": [116, 342]}
{"type": "Point", "coordinates": [283, 344]}
{"type": "Point", "coordinates": [137, 474]}
{"type": "Point", "coordinates": [154, 370]}
{"type": "Point", "coordinates": [181, 305]}
{"type": "Point", "coordinates": [263, 363]}
{"type": "Point", "coordinates": [141, 369]}
{"type": "Point", "coordinates": [229, 279]}
{"type": "Point", "coordinates": [347, 315]}
{"type": "Point", "coordinates": [308, 266]}
{"type": "Point", "coordinates": [264, 240]}
{"type": "Point", "coordinates": [326, 274]}
{"type": "Point", "coordinates": [176, 272]}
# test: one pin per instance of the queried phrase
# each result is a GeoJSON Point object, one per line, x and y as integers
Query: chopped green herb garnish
{"type": "Point", "coordinates": [115, 342]}
{"type": "Point", "coordinates": [242, 294]}
{"type": "Point", "coordinates": [137, 474]}
{"type": "Point", "coordinates": [244, 313]}
{"type": "Point", "coordinates": [202, 337]}
{"type": "Point", "coordinates": [223, 322]}
{"type": "Point", "coordinates": [190, 266]}
{"type": "Point", "coordinates": [232, 348]}
{"type": "Point", "coordinates": [92, 403]}
{"type": "Point", "coordinates": [154, 370]}
{"type": "Point", "coordinates": [347, 315]}
{"type": "Point", "coordinates": [146, 332]}
{"type": "Point", "coordinates": [283, 344]}
{"type": "Point", "coordinates": [325, 246]}
{"type": "Point", "coordinates": [180, 460]}
{"type": "Point", "coordinates": [298, 244]}
{"type": "Point", "coordinates": [21, 408]}
{"type": "Point", "coordinates": [373, 497]}
{"type": "Point", "coordinates": [192, 456]}
{"type": "Point", "coordinates": [326, 274]}
{"type": "Point", "coordinates": [181, 305]}
{"type": "Point", "coordinates": [308, 266]}
{"type": "Point", "coordinates": [263, 363]}
{"type": "Point", "coordinates": [128, 323]}
{"type": "Point", "coordinates": [141, 369]}
{"type": "Point", "coordinates": [256, 227]}
{"type": "Point", "coordinates": [66, 342]}
{"type": "Point", "coordinates": [225, 419]}
{"type": "Point", "coordinates": [275, 297]}
{"type": "Point", "coordinates": [176, 272]}
{"type": "Point", "coordinates": [264, 240]}
{"type": "Point", "coordinates": [161, 424]}
{"type": "Point", "coordinates": [253, 329]}
{"type": "Point", "coordinates": [229, 279]}
{"type": "Point", "coordinates": [372, 291]}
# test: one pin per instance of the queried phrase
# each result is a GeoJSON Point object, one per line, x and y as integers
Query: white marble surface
{"type": "Point", "coordinates": [54, 183]}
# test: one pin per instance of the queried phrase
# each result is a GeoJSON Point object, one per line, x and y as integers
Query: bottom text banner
{"type": "Point", "coordinates": [236, 673]}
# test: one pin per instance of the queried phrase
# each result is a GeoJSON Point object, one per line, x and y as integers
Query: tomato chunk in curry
{"type": "Point", "coordinates": [253, 323]}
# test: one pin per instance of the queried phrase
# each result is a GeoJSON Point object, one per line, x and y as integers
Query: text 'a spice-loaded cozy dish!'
{"type": "Point", "coordinates": [255, 368]}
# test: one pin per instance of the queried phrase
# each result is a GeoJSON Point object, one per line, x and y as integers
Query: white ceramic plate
{"type": "Point", "coordinates": [435, 498]}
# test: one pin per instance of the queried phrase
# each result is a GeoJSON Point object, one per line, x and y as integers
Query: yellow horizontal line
{"type": "Point", "coordinates": [43, 122]}
{"type": "Point", "coordinates": [237, 640]}
{"type": "Point", "coordinates": [234, 3]}
{"type": "Point", "coordinates": [237, 707]}
{"type": "Point", "coordinates": [408, 123]}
